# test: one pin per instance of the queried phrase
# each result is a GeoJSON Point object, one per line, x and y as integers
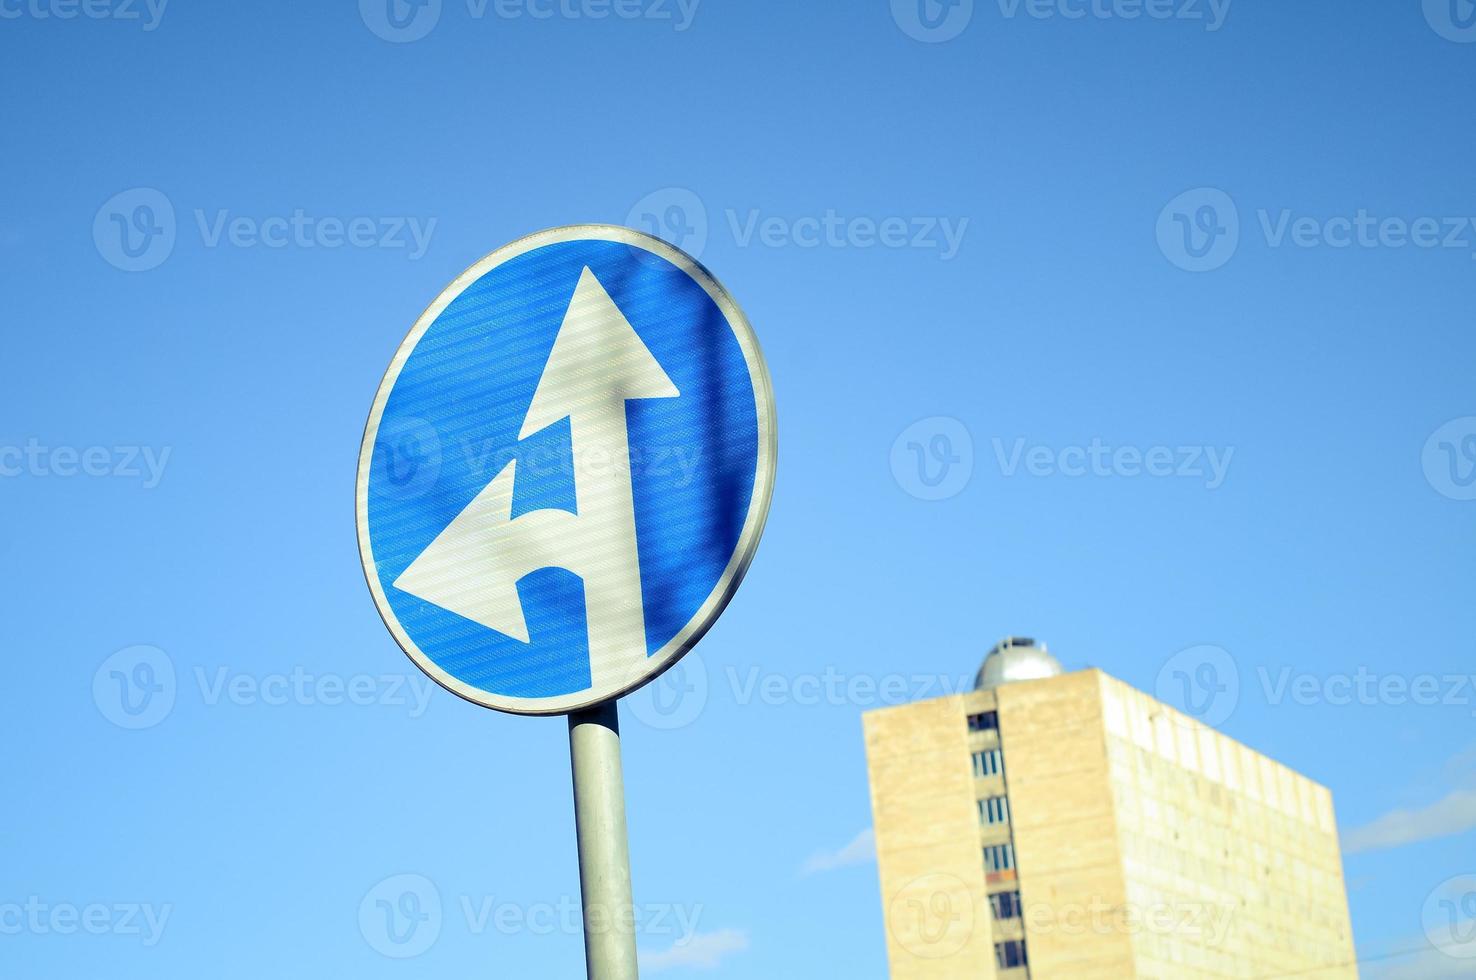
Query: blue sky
{"type": "Point", "coordinates": [1178, 310]}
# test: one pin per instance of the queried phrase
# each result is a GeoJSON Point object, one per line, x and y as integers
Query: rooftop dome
{"type": "Point", "coordinates": [1016, 658]}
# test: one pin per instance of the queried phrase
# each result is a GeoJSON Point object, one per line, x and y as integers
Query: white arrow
{"type": "Point", "coordinates": [472, 568]}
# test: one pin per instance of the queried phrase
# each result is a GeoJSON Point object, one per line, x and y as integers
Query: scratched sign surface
{"type": "Point", "coordinates": [566, 470]}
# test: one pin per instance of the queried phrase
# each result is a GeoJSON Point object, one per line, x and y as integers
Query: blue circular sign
{"type": "Point", "coordinates": [566, 470]}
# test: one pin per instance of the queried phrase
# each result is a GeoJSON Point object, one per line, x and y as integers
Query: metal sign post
{"type": "Point", "coordinates": [564, 478]}
{"type": "Point", "coordinates": [604, 852]}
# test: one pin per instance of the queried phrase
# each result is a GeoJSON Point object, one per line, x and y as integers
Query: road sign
{"type": "Point", "coordinates": [566, 470]}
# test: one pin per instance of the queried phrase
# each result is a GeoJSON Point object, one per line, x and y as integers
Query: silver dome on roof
{"type": "Point", "coordinates": [1016, 658]}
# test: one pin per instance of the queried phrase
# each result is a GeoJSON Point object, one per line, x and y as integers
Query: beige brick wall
{"type": "Point", "coordinates": [1066, 841]}
{"type": "Point", "coordinates": [927, 842]}
{"type": "Point", "coordinates": [1232, 858]}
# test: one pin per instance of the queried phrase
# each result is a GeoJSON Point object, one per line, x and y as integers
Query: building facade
{"type": "Point", "coordinates": [1051, 826]}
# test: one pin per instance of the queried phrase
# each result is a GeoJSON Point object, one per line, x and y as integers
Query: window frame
{"type": "Point", "coordinates": [993, 851]}
{"type": "Point", "coordinates": [992, 755]}
{"type": "Point", "coordinates": [1007, 947]}
{"type": "Point", "coordinates": [994, 810]}
{"type": "Point", "coordinates": [984, 721]}
{"type": "Point", "coordinates": [1006, 910]}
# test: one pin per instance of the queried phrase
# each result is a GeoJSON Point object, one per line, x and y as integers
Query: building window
{"type": "Point", "coordinates": [1006, 905]}
{"type": "Point", "coordinates": [1009, 954]}
{"type": "Point", "coordinates": [990, 762]}
{"type": "Point", "coordinates": [999, 857]}
{"type": "Point", "coordinates": [994, 810]}
{"type": "Point", "coordinates": [986, 722]}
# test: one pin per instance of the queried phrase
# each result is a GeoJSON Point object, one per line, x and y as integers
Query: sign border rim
{"type": "Point", "coordinates": [754, 522]}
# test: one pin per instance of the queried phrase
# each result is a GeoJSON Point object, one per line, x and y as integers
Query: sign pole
{"type": "Point", "coordinates": [604, 853]}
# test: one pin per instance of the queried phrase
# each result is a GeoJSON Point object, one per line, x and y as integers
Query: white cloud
{"type": "Point", "coordinates": [703, 951]}
{"type": "Point", "coordinates": [1455, 814]}
{"type": "Point", "coordinates": [860, 850]}
{"type": "Point", "coordinates": [1462, 768]}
